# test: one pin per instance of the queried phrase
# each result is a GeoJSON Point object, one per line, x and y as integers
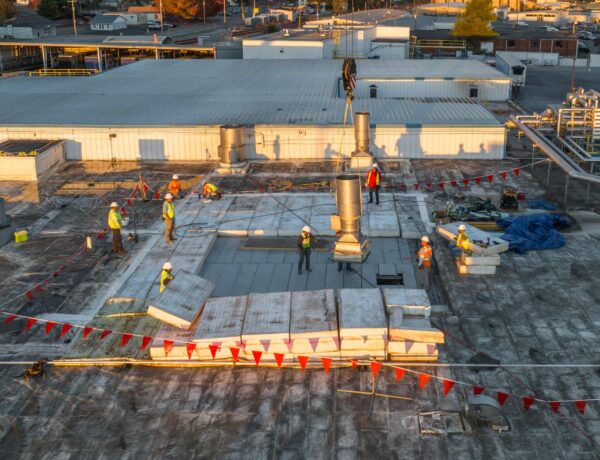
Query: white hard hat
{"type": "Point", "coordinates": [167, 266]}
{"type": "Point", "coordinates": [306, 229]}
{"type": "Point", "coordinates": [175, 176]}
{"type": "Point", "coordinates": [168, 196]}
{"type": "Point", "coordinates": [462, 227]}
{"type": "Point", "coordinates": [204, 181]}
{"type": "Point", "coordinates": [375, 165]}
{"type": "Point", "coordinates": [425, 239]}
{"type": "Point", "coordinates": [114, 204]}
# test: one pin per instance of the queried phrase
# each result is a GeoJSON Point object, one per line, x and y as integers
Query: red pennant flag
{"type": "Point", "coordinates": [278, 359]}
{"type": "Point", "coordinates": [190, 347]}
{"type": "Point", "coordinates": [478, 390]}
{"type": "Point", "coordinates": [49, 326]}
{"type": "Point", "coordinates": [137, 188]}
{"type": "Point", "coordinates": [516, 172]}
{"type": "Point", "coordinates": [213, 350]}
{"type": "Point", "coordinates": [86, 331]}
{"type": "Point", "coordinates": [423, 379]}
{"type": "Point", "coordinates": [430, 349]}
{"type": "Point", "coordinates": [168, 346]}
{"type": "Point", "coordinates": [29, 295]}
{"type": "Point", "coordinates": [503, 175]}
{"type": "Point", "coordinates": [580, 406]}
{"type": "Point", "coordinates": [336, 340]}
{"type": "Point", "coordinates": [65, 328]}
{"type": "Point", "coordinates": [10, 319]}
{"type": "Point", "coordinates": [235, 352]}
{"type": "Point", "coordinates": [527, 402]}
{"type": "Point", "coordinates": [124, 211]}
{"type": "Point", "coordinates": [145, 342]}
{"type": "Point", "coordinates": [303, 360]}
{"type": "Point", "coordinates": [146, 188]}
{"type": "Point", "coordinates": [502, 397]}
{"type": "Point", "coordinates": [125, 338]}
{"type": "Point", "coordinates": [257, 354]}
{"type": "Point", "coordinates": [101, 235]}
{"type": "Point", "coordinates": [453, 183]}
{"type": "Point", "coordinates": [428, 184]}
{"type": "Point", "coordinates": [104, 333]}
{"type": "Point", "coordinates": [399, 374]}
{"type": "Point", "coordinates": [490, 177]}
{"type": "Point", "coordinates": [354, 363]}
{"type": "Point", "coordinates": [466, 181]}
{"type": "Point", "coordinates": [266, 344]}
{"type": "Point", "coordinates": [408, 345]}
{"type": "Point", "coordinates": [448, 384]}
{"type": "Point", "coordinates": [326, 364]}
{"type": "Point", "coordinates": [38, 288]}
{"type": "Point", "coordinates": [288, 343]}
{"type": "Point", "coordinates": [477, 180]}
{"type": "Point", "coordinates": [134, 194]}
{"type": "Point", "coordinates": [46, 282]}
{"type": "Point", "coordinates": [442, 184]}
{"type": "Point", "coordinates": [375, 368]}
{"type": "Point", "coordinates": [30, 323]}
{"type": "Point", "coordinates": [314, 341]}
{"type": "Point", "coordinates": [416, 186]}
{"type": "Point", "coordinates": [555, 405]}
{"type": "Point", "coordinates": [55, 274]}
{"type": "Point", "coordinates": [156, 195]}
{"type": "Point", "coordinates": [129, 202]}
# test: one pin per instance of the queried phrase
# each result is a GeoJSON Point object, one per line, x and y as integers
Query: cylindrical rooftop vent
{"type": "Point", "coordinates": [362, 134]}
{"type": "Point", "coordinates": [349, 203]}
{"type": "Point", "coordinates": [232, 148]}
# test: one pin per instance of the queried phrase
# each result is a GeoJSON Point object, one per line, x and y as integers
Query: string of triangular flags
{"type": "Point", "coordinates": [303, 360]}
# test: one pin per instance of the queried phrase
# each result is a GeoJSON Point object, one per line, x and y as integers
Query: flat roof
{"type": "Point", "coordinates": [214, 92]}
{"type": "Point", "coordinates": [299, 35]}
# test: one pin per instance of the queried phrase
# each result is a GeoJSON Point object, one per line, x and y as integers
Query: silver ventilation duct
{"type": "Point", "coordinates": [362, 134]}
{"type": "Point", "coordinates": [351, 245]}
{"type": "Point", "coordinates": [232, 147]}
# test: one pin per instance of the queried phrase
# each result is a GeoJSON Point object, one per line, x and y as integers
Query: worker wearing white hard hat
{"type": "Point", "coordinates": [115, 223]}
{"type": "Point", "coordinates": [166, 276]}
{"type": "Point", "coordinates": [425, 255]}
{"type": "Point", "coordinates": [373, 183]}
{"type": "Point", "coordinates": [210, 191]}
{"type": "Point", "coordinates": [305, 242]}
{"type": "Point", "coordinates": [462, 243]}
{"type": "Point", "coordinates": [168, 212]}
{"type": "Point", "coordinates": [175, 186]}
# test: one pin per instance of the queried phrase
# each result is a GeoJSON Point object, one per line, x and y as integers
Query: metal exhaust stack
{"type": "Point", "coordinates": [362, 157]}
{"type": "Point", "coordinates": [232, 155]}
{"type": "Point", "coordinates": [351, 245]}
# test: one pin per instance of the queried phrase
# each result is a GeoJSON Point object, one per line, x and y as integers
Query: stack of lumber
{"type": "Point", "coordinates": [411, 337]}
{"type": "Point", "coordinates": [181, 302]}
{"type": "Point", "coordinates": [484, 249]}
{"type": "Point", "coordinates": [313, 324]}
{"type": "Point", "coordinates": [267, 325]}
{"type": "Point", "coordinates": [362, 323]}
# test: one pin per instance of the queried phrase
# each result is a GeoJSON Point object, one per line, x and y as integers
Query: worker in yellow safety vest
{"type": "Point", "coordinates": [425, 254]}
{"type": "Point", "coordinates": [168, 212]}
{"type": "Point", "coordinates": [166, 276]}
{"type": "Point", "coordinates": [210, 191]}
{"type": "Point", "coordinates": [462, 243]}
{"type": "Point", "coordinates": [115, 223]}
{"type": "Point", "coordinates": [305, 242]}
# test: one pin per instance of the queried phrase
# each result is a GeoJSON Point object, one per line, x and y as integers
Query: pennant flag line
{"type": "Point", "coordinates": [65, 328]}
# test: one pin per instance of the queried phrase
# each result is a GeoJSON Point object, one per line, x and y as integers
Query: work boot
{"type": "Point", "coordinates": [309, 269]}
{"type": "Point", "coordinates": [370, 201]}
{"type": "Point", "coordinates": [300, 271]}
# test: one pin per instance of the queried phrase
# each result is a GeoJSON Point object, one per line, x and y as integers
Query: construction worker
{"type": "Point", "coordinates": [166, 276]}
{"type": "Point", "coordinates": [425, 254]}
{"type": "Point", "coordinates": [373, 182]}
{"type": "Point", "coordinates": [305, 242]}
{"type": "Point", "coordinates": [210, 191]}
{"type": "Point", "coordinates": [115, 222]}
{"type": "Point", "coordinates": [461, 243]}
{"type": "Point", "coordinates": [168, 212]}
{"type": "Point", "coordinates": [175, 186]}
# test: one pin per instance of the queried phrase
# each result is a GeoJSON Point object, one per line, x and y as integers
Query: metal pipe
{"type": "Point", "coordinates": [232, 147]}
{"type": "Point", "coordinates": [362, 126]}
{"type": "Point", "coordinates": [349, 202]}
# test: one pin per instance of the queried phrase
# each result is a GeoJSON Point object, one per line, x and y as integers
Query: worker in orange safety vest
{"type": "Point", "coordinates": [425, 254]}
{"type": "Point", "coordinates": [175, 186]}
{"type": "Point", "coordinates": [373, 182]}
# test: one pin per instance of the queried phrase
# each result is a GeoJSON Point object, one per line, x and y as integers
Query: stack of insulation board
{"type": "Point", "coordinates": [484, 249]}
{"type": "Point", "coordinates": [313, 324]}
{"type": "Point", "coordinates": [362, 323]}
{"type": "Point", "coordinates": [411, 337]}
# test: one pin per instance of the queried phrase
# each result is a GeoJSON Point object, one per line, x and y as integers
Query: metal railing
{"type": "Point", "coordinates": [63, 73]}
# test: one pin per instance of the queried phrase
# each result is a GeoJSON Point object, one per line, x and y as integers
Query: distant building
{"type": "Point", "coordinates": [102, 22]}
{"type": "Point", "coordinates": [27, 24]}
{"type": "Point", "coordinates": [510, 4]}
{"type": "Point", "coordinates": [145, 14]}
{"type": "Point", "coordinates": [565, 46]}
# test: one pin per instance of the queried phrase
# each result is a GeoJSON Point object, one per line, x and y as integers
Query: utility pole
{"type": "Point", "coordinates": [204, 11]}
{"type": "Point", "coordinates": [74, 19]}
{"type": "Point", "coordinates": [575, 57]}
{"type": "Point", "coordinates": [161, 16]}
{"type": "Point", "coordinates": [224, 11]}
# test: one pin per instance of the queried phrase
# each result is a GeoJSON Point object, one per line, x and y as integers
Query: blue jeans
{"type": "Point", "coordinates": [304, 254]}
{"type": "Point", "coordinates": [376, 190]}
{"type": "Point", "coordinates": [454, 250]}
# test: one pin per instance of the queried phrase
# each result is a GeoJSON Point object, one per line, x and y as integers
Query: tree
{"type": "Point", "coordinates": [339, 6]}
{"type": "Point", "coordinates": [51, 9]}
{"type": "Point", "coordinates": [185, 9]}
{"type": "Point", "coordinates": [475, 21]}
{"type": "Point", "coordinates": [7, 9]}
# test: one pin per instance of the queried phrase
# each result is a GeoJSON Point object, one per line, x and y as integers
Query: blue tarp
{"type": "Point", "coordinates": [535, 231]}
{"type": "Point", "coordinates": [541, 204]}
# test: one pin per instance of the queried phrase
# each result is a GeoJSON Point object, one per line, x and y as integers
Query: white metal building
{"type": "Point", "coordinates": [101, 22]}
{"type": "Point", "coordinates": [172, 109]}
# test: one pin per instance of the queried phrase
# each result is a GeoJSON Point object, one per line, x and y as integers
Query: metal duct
{"type": "Point", "coordinates": [232, 147]}
{"type": "Point", "coordinates": [351, 245]}
{"type": "Point", "coordinates": [362, 133]}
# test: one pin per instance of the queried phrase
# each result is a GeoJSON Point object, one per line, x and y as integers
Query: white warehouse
{"type": "Point", "coordinates": [156, 110]}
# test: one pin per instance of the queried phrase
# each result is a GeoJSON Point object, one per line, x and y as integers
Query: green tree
{"type": "Point", "coordinates": [51, 9]}
{"type": "Point", "coordinates": [475, 21]}
{"type": "Point", "coordinates": [185, 9]}
{"type": "Point", "coordinates": [339, 6]}
{"type": "Point", "coordinates": [7, 9]}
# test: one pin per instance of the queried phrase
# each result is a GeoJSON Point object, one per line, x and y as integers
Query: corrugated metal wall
{"type": "Point", "coordinates": [270, 142]}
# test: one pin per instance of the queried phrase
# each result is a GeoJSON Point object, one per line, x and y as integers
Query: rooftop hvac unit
{"type": "Point", "coordinates": [486, 409]}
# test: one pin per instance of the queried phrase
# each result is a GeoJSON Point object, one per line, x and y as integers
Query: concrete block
{"type": "Point", "coordinates": [497, 245]}
{"type": "Point", "coordinates": [413, 328]}
{"type": "Point", "coordinates": [313, 318]}
{"type": "Point", "coordinates": [267, 318]}
{"type": "Point", "coordinates": [475, 269]}
{"type": "Point", "coordinates": [222, 320]}
{"type": "Point", "coordinates": [479, 260]}
{"type": "Point", "coordinates": [181, 302]}
{"type": "Point", "coordinates": [411, 301]}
